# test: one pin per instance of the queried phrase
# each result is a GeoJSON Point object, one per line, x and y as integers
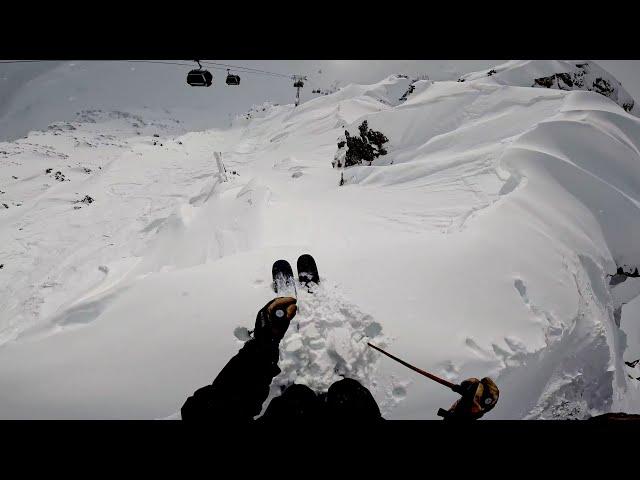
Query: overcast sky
{"type": "Point", "coordinates": [33, 95]}
{"type": "Point", "coordinates": [359, 71]}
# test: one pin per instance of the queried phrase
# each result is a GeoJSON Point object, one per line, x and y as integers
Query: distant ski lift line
{"type": "Point", "coordinates": [164, 62]}
{"type": "Point", "coordinates": [202, 77]}
{"type": "Point", "coordinates": [220, 67]}
{"type": "Point", "coordinates": [247, 69]}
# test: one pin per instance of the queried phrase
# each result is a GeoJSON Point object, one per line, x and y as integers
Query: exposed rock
{"type": "Point", "coordinates": [614, 416]}
{"type": "Point", "coordinates": [412, 85]}
{"type": "Point", "coordinates": [583, 78]}
{"type": "Point", "coordinates": [406, 94]}
{"type": "Point", "coordinates": [621, 275]}
{"type": "Point", "coordinates": [560, 75]}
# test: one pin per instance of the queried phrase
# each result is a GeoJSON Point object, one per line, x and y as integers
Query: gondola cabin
{"type": "Point", "coordinates": [233, 79]}
{"type": "Point", "coordinates": [199, 78]}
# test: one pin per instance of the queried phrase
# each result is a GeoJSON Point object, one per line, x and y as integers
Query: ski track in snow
{"type": "Point", "coordinates": [327, 341]}
{"type": "Point", "coordinates": [84, 243]}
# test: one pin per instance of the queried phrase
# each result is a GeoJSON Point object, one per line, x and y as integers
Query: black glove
{"type": "Point", "coordinates": [273, 320]}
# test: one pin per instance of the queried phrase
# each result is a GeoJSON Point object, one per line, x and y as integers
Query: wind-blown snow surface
{"type": "Point", "coordinates": [480, 245]}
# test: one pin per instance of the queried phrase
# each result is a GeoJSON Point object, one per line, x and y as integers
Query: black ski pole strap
{"type": "Point", "coordinates": [443, 413]}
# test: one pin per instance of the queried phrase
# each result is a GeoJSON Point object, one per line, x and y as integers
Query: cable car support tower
{"type": "Point", "coordinates": [298, 83]}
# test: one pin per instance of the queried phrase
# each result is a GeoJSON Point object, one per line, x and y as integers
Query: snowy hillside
{"type": "Point", "coordinates": [483, 243]}
{"type": "Point", "coordinates": [561, 75]}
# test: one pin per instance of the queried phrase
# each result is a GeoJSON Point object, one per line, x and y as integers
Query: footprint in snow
{"type": "Point", "coordinates": [327, 341]}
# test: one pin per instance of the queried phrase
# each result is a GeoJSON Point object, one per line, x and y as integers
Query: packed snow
{"type": "Point", "coordinates": [485, 243]}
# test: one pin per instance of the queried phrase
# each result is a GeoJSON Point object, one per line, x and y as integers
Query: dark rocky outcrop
{"type": "Point", "coordinates": [621, 275]}
{"type": "Point", "coordinates": [583, 79]}
{"type": "Point", "coordinates": [614, 416]}
{"type": "Point", "coordinates": [412, 85]}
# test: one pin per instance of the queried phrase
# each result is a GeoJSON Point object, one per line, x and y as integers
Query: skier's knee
{"type": "Point", "coordinates": [297, 402]}
{"type": "Point", "coordinates": [349, 399]}
{"type": "Point", "coordinates": [299, 393]}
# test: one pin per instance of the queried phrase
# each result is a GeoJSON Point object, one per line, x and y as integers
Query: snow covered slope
{"type": "Point", "coordinates": [557, 74]}
{"type": "Point", "coordinates": [480, 245]}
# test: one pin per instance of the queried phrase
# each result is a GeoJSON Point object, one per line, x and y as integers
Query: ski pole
{"type": "Point", "coordinates": [456, 388]}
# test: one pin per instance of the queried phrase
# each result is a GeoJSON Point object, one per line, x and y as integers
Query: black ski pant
{"type": "Point", "coordinates": [240, 389]}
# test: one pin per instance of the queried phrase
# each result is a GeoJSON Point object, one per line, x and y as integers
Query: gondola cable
{"type": "Point", "coordinates": [201, 77]}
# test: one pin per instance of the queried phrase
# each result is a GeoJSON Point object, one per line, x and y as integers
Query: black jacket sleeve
{"type": "Point", "coordinates": [240, 389]}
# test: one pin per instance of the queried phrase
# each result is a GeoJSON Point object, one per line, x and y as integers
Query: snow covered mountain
{"type": "Point", "coordinates": [486, 242]}
{"type": "Point", "coordinates": [561, 75]}
{"type": "Point", "coordinates": [33, 95]}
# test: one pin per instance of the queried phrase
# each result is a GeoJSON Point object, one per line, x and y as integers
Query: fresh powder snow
{"type": "Point", "coordinates": [484, 243]}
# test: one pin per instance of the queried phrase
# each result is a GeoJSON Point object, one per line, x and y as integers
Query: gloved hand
{"type": "Point", "coordinates": [469, 387]}
{"type": "Point", "coordinates": [273, 319]}
{"type": "Point", "coordinates": [489, 395]}
{"type": "Point", "coordinates": [478, 397]}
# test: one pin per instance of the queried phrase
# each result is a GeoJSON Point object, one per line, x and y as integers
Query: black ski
{"type": "Point", "coordinates": [283, 280]}
{"type": "Point", "coordinates": [307, 270]}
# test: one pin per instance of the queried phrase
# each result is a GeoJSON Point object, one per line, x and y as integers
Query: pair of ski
{"type": "Point", "coordinates": [283, 280]}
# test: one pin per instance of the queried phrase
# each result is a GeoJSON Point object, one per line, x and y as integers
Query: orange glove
{"type": "Point", "coordinates": [478, 397]}
{"type": "Point", "coordinates": [273, 319]}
